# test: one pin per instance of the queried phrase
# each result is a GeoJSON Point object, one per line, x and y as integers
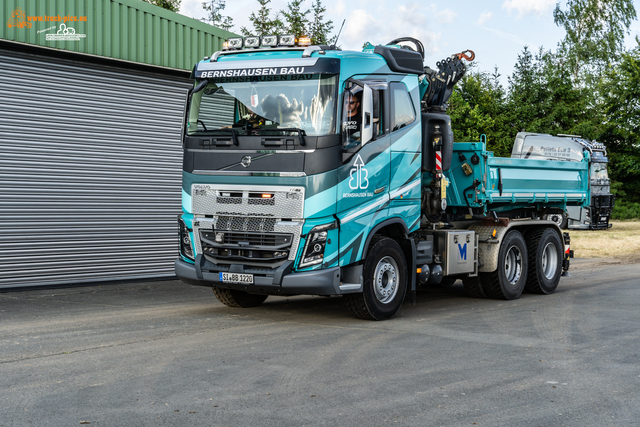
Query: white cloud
{"type": "Point", "coordinates": [526, 7]}
{"type": "Point", "coordinates": [410, 20]}
{"type": "Point", "coordinates": [506, 36]}
{"type": "Point", "coordinates": [484, 17]}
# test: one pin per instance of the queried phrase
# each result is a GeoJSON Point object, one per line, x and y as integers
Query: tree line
{"type": "Point", "coordinates": [588, 86]}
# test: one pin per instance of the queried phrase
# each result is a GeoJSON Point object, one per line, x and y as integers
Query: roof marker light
{"type": "Point", "coordinates": [304, 41]}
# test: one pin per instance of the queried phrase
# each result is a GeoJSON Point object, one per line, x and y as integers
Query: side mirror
{"type": "Point", "coordinates": [366, 134]}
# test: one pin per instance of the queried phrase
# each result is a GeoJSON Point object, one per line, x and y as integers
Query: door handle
{"type": "Point", "coordinates": [380, 190]}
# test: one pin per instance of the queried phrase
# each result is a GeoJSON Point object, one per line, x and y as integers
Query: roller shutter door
{"type": "Point", "coordinates": [90, 171]}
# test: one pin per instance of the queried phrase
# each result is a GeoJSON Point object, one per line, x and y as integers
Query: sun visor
{"type": "Point", "coordinates": [267, 67]}
{"type": "Point", "coordinates": [401, 60]}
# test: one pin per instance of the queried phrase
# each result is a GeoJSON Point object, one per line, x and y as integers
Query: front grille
{"type": "Point", "coordinates": [261, 202]}
{"type": "Point", "coordinates": [229, 200]}
{"type": "Point", "coordinates": [261, 224]}
{"type": "Point", "coordinates": [235, 223]}
{"type": "Point", "coordinates": [230, 246]}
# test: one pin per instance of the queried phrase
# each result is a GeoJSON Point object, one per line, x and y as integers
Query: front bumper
{"type": "Point", "coordinates": [282, 281]}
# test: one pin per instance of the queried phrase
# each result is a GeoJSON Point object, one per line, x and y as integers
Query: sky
{"type": "Point", "coordinates": [496, 30]}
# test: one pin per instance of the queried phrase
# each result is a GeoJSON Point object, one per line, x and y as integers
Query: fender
{"type": "Point", "coordinates": [489, 245]}
{"type": "Point", "coordinates": [411, 259]}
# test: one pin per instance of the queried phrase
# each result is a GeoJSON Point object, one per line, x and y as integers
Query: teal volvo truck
{"type": "Point", "coordinates": [309, 170]}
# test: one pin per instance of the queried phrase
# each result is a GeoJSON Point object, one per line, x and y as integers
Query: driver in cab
{"type": "Point", "coordinates": [352, 119]}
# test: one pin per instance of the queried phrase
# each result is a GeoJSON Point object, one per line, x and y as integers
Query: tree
{"type": "Point", "coordinates": [262, 23]}
{"type": "Point", "coordinates": [295, 20]}
{"type": "Point", "coordinates": [526, 100]}
{"type": "Point", "coordinates": [477, 107]}
{"type": "Point", "coordinates": [319, 30]}
{"type": "Point", "coordinates": [214, 9]}
{"type": "Point", "coordinates": [620, 92]}
{"type": "Point", "coordinates": [595, 33]}
{"type": "Point", "coordinates": [172, 5]}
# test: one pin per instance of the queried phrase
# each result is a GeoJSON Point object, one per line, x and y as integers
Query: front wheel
{"type": "Point", "coordinates": [233, 298]}
{"type": "Point", "coordinates": [385, 282]}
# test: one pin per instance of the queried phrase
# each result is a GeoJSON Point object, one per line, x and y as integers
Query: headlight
{"type": "Point", "coordinates": [313, 252]}
{"type": "Point", "coordinates": [186, 250]}
{"type": "Point", "coordinates": [234, 43]}
{"type": "Point", "coordinates": [252, 41]}
{"type": "Point", "coordinates": [287, 40]}
{"type": "Point", "coordinates": [269, 41]}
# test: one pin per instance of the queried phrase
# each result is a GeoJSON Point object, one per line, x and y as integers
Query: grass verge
{"type": "Point", "coordinates": [621, 241]}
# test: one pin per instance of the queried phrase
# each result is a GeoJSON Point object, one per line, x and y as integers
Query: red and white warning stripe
{"type": "Point", "coordinates": [438, 161]}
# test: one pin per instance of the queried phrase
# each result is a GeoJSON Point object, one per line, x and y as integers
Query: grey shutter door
{"type": "Point", "coordinates": [90, 171]}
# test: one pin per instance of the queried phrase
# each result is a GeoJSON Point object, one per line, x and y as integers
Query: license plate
{"type": "Point", "coordinates": [236, 278]}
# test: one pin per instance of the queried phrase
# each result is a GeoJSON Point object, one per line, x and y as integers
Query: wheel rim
{"type": "Point", "coordinates": [513, 265]}
{"type": "Point", "coordinates": [549, 260]}
{"type": "Point", "coordinates": [386, 280]}
{"type": "Point", "coordinates": [557, 218]}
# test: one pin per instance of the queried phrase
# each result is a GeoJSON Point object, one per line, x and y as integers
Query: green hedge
{"type": "Point", "coordinates": [626, 210]}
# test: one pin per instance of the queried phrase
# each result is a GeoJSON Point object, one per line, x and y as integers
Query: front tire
{"type": "Point", "coordinates": [509, 280]}
{"type": "Point", "coordinates": [545, 261]}
{"type": "Point", "coordinates": [385, 282]}
{"type": "Point", "coordinates": [233, 298]}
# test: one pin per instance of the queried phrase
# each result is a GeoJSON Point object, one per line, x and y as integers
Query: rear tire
{"type": "Point", "coordinates": [508, 281]}
{"type": "Point", "coordinates": [545, 261]}
{"type": "Point", "coordinates": [473, 287]}
{"type": "Point", "coordinates": [385, 282]}
{"type": "Point", "coordinates": [233, 298]}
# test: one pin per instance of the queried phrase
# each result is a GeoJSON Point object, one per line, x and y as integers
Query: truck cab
{"type": "Point", "coordinates": [283, 182]}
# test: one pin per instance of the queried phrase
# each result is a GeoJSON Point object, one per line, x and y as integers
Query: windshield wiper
{"type": "Point", "coordinates": [233, 134]}
{"type": "Point", "coordinates": [301, 133]}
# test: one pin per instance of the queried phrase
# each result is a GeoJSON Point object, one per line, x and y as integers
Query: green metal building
{"type": "Point", "coordinates": [90, 153]}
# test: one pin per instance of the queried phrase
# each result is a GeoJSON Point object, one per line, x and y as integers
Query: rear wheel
{"type": "Point", "coordinates": [508, 281]}
{"type": "Point", "coordinates": [545, 261]}
{"type": "Point", "coordinates": [385, 282]}
{"type": "Point", "coordinates": [233, 298]}
{"type": "Point", "coordinates": [473, 287]}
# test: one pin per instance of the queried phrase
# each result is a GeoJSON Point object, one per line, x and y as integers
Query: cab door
{"type": "Point", "coordinates": [363, 188]}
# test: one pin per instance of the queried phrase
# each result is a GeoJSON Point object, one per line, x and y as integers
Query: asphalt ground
{"type": "Point", "coordinates": [168, 354]}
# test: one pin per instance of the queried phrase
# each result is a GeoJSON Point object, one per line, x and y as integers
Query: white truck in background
{"type": "Point", "coordinates": [573, 148]}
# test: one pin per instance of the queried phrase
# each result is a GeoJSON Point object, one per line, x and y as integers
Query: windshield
{"type": "Point", "coordinates": [599, 171]}
{"type": "Point", "coordinates": [248, 105]}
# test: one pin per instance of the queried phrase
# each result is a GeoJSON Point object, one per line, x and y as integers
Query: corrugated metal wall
{"type": "Point", "coordinates": [130, 30]}
{"type": "Point", "coordinates": [90, 171]}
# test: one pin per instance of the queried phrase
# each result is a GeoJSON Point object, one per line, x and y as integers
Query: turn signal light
{"type": "Point", "coordinates": [304, 41]}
